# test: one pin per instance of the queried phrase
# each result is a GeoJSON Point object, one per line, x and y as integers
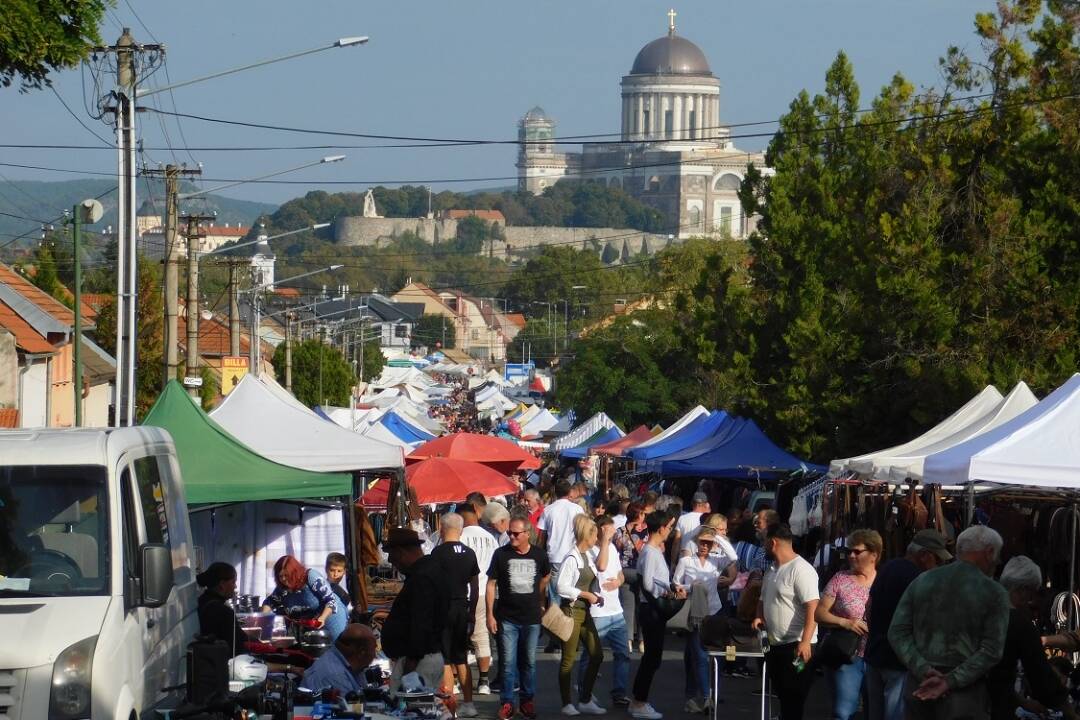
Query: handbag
{"type": "Point", "coordinates": [557, 622]}
{"type": "Point", "coordinates": [666, 606]}
{"type": "Point", "coordinates": [838, 648]}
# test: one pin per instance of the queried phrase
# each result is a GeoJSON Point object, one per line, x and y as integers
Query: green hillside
{"type": "Point", "coordinates": [43, 201]}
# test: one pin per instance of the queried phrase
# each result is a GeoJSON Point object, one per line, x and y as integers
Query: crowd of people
{"type": "Point", "coordinates": [926, 635]}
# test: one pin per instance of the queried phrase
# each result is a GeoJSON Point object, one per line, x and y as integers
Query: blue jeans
{"type": "Point", "coordinates": [517, 656]}
{"type": "Point", "coordinates": [845, 684]}
{"type": "Point", "coordinates": [885, 693]}
{"type": "Point", "coordinates": [611, 629]}
{"type": "Point", "coordinates": [696, 667]}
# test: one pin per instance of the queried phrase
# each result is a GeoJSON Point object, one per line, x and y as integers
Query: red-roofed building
{"type": "Point", "coordinates": [37, 375]}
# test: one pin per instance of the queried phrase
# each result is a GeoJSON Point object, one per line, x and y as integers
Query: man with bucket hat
{"type": "Point", "coordinates": [884, 672]}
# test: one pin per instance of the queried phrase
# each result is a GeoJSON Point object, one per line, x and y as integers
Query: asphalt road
{"type": "Point", "coordinates": [667, 694]}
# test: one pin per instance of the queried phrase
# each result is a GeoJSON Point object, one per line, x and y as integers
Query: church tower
{"type": "Point", "coordinates": [539, 165]}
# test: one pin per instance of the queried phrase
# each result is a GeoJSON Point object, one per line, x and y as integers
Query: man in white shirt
{"type": "Point", "coordinates": [691, 520]}
{"type": "Point", "coordinates": [608, 617]}
{"type": "Point", "coordinates": [557, 525]}
{"type": "Point", "coordinates": [789, 597]}
{"type": "Point", "coordinates": [483, 543]}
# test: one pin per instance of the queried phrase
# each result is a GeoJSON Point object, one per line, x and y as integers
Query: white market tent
{"type": "Point", "coordinates": [275, 429]}
{"type": "Point", "coordinates": [1038, 448]}
{"type": "Point", "coordinates": [281, 393]}
{"type": "Point", "coordinates": [899, 468]}
{"type": "Point", "coordinates": [675, 427]}
{"type": "Point", "coordinates": [978, 406]}
{"type": "Point", "coordinates": [584, 431]}
{"type": "Point", "coordinates": [391, 376]}
{"type": "Point", "coordinates": [543, 420]}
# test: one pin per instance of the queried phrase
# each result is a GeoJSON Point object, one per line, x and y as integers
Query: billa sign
{"type": "Point", "coordinates": [233, 370]}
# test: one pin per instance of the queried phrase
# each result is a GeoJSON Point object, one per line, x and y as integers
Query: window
{"type": "Point", "coordinates": [695, 218]}
{"type": "Point", "coordinates": [645, 127]}
{"type": "Point", "coordinates": [152, 499]}
{"type": "Point", "coordinates": [474, 335]}
{"type": "Point", "coordinates": [401, 331]}
{"type": "Point", "coordinates": [654, 184]}
{"type": "Point", "coordinates": [693, 125]}
{"type": "Point", "coordinates": [727, 181]}
{"type": "Point", "coordinates": [725, 220]}
{"type": "Point", "coordinates": [669, 124]}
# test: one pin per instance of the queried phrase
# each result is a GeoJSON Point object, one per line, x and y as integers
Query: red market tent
{"type": "Point", "coordinates": [618, 447]}
{"type": "Point", "coordinates": [444, 480]}
{"type": "Point", "coordinates": [537, 385]}
{"type": "Point", "coordinates": [496, 453]}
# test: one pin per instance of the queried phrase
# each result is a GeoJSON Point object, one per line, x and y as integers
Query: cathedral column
{"type": "Point", "coordinates": [657, 116]}
{"type": "Point", "coordinates": [677, 117]}
{"type": "Point", "coordinates": [626, 127]}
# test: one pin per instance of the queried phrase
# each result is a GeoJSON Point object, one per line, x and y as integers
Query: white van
{"type": "Point", "coordinates": [97, 589]}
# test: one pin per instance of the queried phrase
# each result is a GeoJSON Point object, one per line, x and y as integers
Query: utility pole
{"type": "Point", "coordinates": [172, 174]}
{"type": "Point", "coordinates": [194, 244]}
{"type": "Point", "coordinates": [288, 351]}
{"type": "Point", "coordinates": [234, 311]}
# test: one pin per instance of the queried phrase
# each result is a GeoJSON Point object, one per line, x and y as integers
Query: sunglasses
{"type": "Point", "coordinates": [856, 552]}
{"type": "Point", "coordinates": [515, 533]}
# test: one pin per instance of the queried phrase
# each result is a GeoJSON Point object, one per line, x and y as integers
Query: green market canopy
{"type": "Point", "coordinates": [218, 468]}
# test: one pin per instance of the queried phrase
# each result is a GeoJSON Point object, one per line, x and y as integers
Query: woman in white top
{"type": "Point", "coordinates": [578, 589]}
{"type": "Point", "coordinates": [704, 569]}
{"type": "Point", "coordinates": [655, 584]}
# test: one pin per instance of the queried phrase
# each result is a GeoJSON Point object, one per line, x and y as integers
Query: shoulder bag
{"type": "Point", "coordinates": [557, 622]}
{"type": "Point", "coordinates": [838, 648]}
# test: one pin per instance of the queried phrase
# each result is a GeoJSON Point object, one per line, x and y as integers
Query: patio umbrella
{"type": "Point", "coordinates": [496, 453]}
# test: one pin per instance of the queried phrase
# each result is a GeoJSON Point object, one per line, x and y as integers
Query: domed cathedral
{"type": "Point", "coordinates": [673, 153]}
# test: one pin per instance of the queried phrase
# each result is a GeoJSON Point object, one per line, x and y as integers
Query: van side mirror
{"type": "Point", "coordinates": [155, 574]}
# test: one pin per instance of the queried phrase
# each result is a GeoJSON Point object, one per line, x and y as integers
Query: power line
{"type": "Point", "coordinates": [106, 143]}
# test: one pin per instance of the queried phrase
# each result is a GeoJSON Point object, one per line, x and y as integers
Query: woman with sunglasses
{"type": "Point", "coordinates": [707, 570]}
{"type": "Point", "coordinates": [843, 606]}
{"type": "Point", "coordinates": [578, 587]}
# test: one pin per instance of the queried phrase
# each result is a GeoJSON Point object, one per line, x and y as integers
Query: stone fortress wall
{"type": "Point", "coordinates": [377, 232]}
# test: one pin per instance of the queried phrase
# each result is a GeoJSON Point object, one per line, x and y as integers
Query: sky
{"type": "Point", "coordinates": [467, 69]}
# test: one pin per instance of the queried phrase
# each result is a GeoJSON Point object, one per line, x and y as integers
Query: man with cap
{"type": "Point", "coordinates": [342, 667]}
{"type": "Point", "coordinates": [688, 522]}
{"type": "Point", "coordinates": [884, 672]}
{"type": "Point", "coordinates": [412, 633]}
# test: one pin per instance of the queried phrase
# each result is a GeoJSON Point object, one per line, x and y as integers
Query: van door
{"type": "Point", "coordinates": [131, 656]}
{"type": "Point", "coordinates": [148, 498]}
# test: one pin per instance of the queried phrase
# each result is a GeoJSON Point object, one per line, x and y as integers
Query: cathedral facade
{"type": "Point", "coordinates": [673, 154]}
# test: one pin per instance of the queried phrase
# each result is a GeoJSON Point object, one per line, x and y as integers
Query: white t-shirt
{"type": "Point", "coordinates": [481, 542]}
{"type": "Point", "coordinates": [653, 570]}
{"type": "Point", "coordinates": [557, 522]}
{"type": "Point", "coordinates": [690, 571]}
{"type": "Point", "coordinates": [786, 590]}
{"type": "Point", "coordinates": [619, 521]}
{"type": "Point", "coordinates": [611, 605]}
{"type": "Point", "coordinates": [688, 522]}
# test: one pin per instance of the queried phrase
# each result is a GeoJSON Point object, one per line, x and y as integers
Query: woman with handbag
{"type": "Point", "coordinates": [579, 590]}
{"type": "Point", "coordinates": [660, 601]}
{"type": "Point", "coordinates": [843, 610]}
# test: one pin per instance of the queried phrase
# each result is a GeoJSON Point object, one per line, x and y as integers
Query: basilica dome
{"type": "Point", "coordinates": [671, 55]}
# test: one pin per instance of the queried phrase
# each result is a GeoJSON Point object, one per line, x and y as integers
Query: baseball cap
{"type": "Point", "coordinates": [700, 497]}
{"type": "Point", "coordinates": [932, 542]}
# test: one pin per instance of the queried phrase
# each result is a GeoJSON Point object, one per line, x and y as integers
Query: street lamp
{"type": "Point", "coordinates": [341, 42]}
{"type": "Point", "coordinates": [262, 238]}
{"type": "Point", "coordinates": [256, 312]}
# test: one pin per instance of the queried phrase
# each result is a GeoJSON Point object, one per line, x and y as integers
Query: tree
{"type": "Point", "coordinates": [472, 234]}
{"type": "Point", "coordinates": [535, 342]}
{"type": "Point", "coordinates": [37, 38]}
{"type": "Point", "coordinates": [372, 362]}
{"type": "Point", "coordinates": [320, 374]}
{"type": "Point", "coordinates": [45, 269]}
{"type": "Point", "coordinates": [150, 342]}
{"type": "Point", "coordinates": [432, 329]}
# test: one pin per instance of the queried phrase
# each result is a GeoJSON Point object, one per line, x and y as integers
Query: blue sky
{"type": "Point", "coordinates": [465, 69]}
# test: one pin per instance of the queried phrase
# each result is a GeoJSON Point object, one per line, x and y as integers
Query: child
{"type": "Point", "coordinates": [335, 573]}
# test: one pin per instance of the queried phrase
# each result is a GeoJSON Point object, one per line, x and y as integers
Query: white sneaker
{"type": "Point", "coordinates": [644, 711]}
{"type": "Point", "coordinates": [591, 708]}
{"type": "Point", "coordinates": [467, 710]}
{"type": "Point", "coordinates": [569, 709]}
{"type": "Point", "coordinates": [483, 689]}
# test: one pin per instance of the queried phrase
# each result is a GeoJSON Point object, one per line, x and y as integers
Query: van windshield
{"type": "Point", "coordinates": [54, 530]}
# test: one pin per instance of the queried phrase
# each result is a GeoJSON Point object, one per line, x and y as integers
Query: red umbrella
{"type": "Point", "coordinates": [496, 453]}
{"type": "Point", "coordinates": [375, 497]}
{"type": "Point", "coordinates": [446, 480]}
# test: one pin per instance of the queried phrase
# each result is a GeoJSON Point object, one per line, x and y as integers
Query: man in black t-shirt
{"type": "Point", "coordinates": [458, 563]}
{"type": "Point", "coordinates": [519, 574]}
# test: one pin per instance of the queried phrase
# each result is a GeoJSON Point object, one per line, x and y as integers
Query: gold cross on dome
{"type": "Point", "coordinates": [671, 14]}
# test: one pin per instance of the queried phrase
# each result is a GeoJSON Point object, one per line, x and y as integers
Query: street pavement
{"type": "Point", "coordinates": [667, 694]}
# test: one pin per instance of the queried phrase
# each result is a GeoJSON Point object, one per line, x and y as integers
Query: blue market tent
{"type": "Point", "coordinates": [728, 425]}
{"type": "Point", "coordinates": [404, 430]}
{"type": "Point", "coordinates": [697, 431]}
{"type": "Point", "coordinates": [580, 451]}
{"type": "Point", "coordinates": [744, 452]}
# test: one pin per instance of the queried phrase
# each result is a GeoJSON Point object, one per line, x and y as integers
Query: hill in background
{"type": "Point", "coordinates": [45, 201]}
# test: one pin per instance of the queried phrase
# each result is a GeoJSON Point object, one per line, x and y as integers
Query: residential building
{"type": "Point", "coordinates": [479, 328]}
